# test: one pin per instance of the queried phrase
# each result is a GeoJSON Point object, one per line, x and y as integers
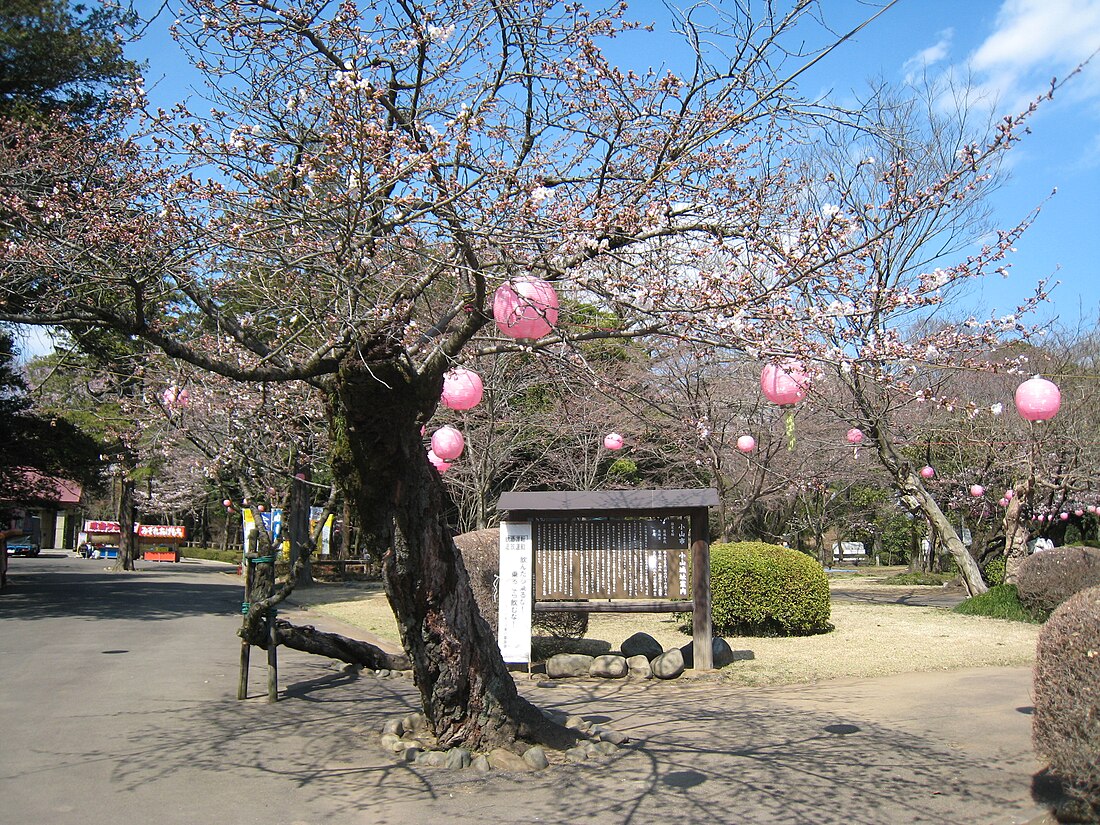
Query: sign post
{"type": "Point", "coordinates": [514, 614]}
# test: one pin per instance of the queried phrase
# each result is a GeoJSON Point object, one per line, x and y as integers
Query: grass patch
{"type": "Point", "coordinates": [211, 554]}
{"type": "Point", "coordinates": [1000, 602]}
{"type": "Point", "coordinates": [933, 579]}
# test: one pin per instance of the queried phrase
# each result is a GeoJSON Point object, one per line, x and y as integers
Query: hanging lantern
{"type": "Point", "coordinates": [1064, 516]}
{"type": "Point", "coordinates": [440, 465]}
{"type": "Point", "coordinates": [1038, 399]}
{"type": "Point", "coordinates": [784, 383]}
{"type": "Point", "coordinates": [746, 443]}
{"type": "Point", "coordinates": [1009, 493]}
{"type": "Point", "coordinates": [448, 443]}
{"type": "Point", "coordinates": [855, 436]}
{"type": "Point", "coordinates": [977, 490]}
{"type": "Point", "coordinates": [525, 308]}
{"type": "Point", "coordinates": [613, 441]}
{"type": "Point", "coordinates": [926, 472]}
{"type": "Point", "coordinates": [1003, 502]}
{"type": "Point", "coordinates": [227, 503]}
{"type": "Point", "coordinates": [462, 389]}
{"type": "Point", "coordinates": [1078, 513]}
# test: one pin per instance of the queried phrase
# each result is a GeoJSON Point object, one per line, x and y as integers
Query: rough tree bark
{"type": "Point", "coordinates": [467, 692]}
{"type": "Point", "coordinates": [127, 539]}
{"type": "Point", "coordinates": [1016, 532]}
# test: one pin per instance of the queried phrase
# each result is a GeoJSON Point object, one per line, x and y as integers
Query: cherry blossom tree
{"type": "Point", "coordinates": [364, 180]}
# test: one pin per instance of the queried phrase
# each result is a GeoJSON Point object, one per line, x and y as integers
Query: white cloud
{"type": "Point", "coordinates": [1034, 41]}
{"type": "Point", "coordinates": [936, 53]}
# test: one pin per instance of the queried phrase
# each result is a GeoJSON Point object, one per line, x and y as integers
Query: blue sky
{"type": "Point", "coordinates": [1012, 48]}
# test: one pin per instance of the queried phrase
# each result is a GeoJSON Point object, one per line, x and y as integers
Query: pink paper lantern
{"type": "Point", "coordinates": [1092, 508]}
{"type": "Point", "coordinates": [927, 472]}
{"type": "Point", "coordinates": [447, 442]}
{"type": "Point", "coordinates": [227, 503]}
{"type": "Point", "coordinates": [855, 436]}
{"type": "Point", "coordinates": [977, 490]}
{"type": "Point", "coordinates": [1078, 513]}
{"type": "Point", "coordinates": [784, 383]}
{"type": "Point", "coordinates": [1003, 502]}
{"type": "Point", "coordinates": [462, 389]}
{"type": "Point", "coordinates": [746, 443]}
{"type": "Point", "coordinates": [1038, 399]}
{"type": "Point", "coordinates": [1009, 493]}
{"type": "Point", "coordinates": [440, 465]}
{"type": "Point", "coordinates": [525, 308]}
{"type": "Point", "coordinates": [1064, 516]}
{"type": "Point", "coordinates": [613, 441]}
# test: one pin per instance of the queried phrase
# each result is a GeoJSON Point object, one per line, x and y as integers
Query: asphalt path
{"type": "Point", "coordinates": [117, 706]}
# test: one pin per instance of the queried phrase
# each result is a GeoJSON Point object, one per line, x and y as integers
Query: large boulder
{"type": "Point", "coordinates": [608, 667]}
{"type": "Point", "coordinates": [668, 665]}
{"type": "Point", "coordinates": [564, 665]}
{"type": "Point", "coordinates": [642, 644]}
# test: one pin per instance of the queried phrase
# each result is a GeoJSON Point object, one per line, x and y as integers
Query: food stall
{"type": "Point", "coordinates": [155, 542]}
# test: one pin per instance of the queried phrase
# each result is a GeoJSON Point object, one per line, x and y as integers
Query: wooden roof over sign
{"type": "Point", "coordinates": [608, 502]}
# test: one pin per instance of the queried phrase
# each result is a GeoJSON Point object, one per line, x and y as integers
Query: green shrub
{"type": "Point", "coordinates": [211, 554]}
{"type": "Point", "coordinates": [1066, 725]}
{"type": "Point", "coordinates": [1000, 602]}
{"type": "Point", "coordinates": [1049, 577]}
{"type": "Point", "coordinates": [934, 579]}
{"type": "Point", "coordinates": [994, 572]}
{"type": "Point", "coordinates": [763, 589]}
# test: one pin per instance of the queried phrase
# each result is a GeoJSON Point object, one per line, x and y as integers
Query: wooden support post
{"type": "Point", "coordinates": [272, 659]}
{"type": "Point", "coordinates": [246, 648]}
{"type": "Point", "coordinates": [701, 629]}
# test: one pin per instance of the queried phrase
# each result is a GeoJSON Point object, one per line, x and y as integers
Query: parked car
{"type": "Point", "coordinates": [23, 547]}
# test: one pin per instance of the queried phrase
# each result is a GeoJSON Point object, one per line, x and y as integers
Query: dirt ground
{"type": "Point", "coordinates": [869, 640]}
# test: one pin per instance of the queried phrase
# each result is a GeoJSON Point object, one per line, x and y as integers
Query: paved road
{"type": "Point", "coordinates": [895, 594]}
{"type": "Point", "coordinates": [116, 707]}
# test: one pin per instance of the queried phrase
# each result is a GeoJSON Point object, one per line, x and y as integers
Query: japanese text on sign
{"type": "Point", "coordinates": [514, 607]}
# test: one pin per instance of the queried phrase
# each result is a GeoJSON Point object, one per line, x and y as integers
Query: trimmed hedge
{"type": "Point", "coordinates": [760, 589]}
{"type": "Point", "coordinates": [1049, 577]}
{"type": "Point", "coordinates": [1066, 725]}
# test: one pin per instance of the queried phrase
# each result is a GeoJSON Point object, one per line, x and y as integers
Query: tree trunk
{"type": "Point", "coordinates": [1016, 534]}
{"type": "Point", "coordinates": [468, 695]}
{"type": "Point", "coordinates": [298, 528]}
{"type": "Point", "coordinates": [127, 539]}
{"type": "Point", "coordinates": [918, 498]}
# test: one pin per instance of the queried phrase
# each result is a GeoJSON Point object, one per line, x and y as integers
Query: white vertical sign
{"type": "Point", "coordinates": [514, 606]}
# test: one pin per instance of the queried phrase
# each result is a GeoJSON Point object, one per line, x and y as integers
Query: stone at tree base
{"type": "Point", "coordinates": [608, 666]}
{"type": "Point", "coordinates": [393, 742]}
{"type": "Point", "coordinates": [432, 759]}
{"type": "Point", "coordinates": [668, 665]}
{"type": "Point", "coordinates": [578, 723]}
{"type": "Point", "coordinates": [605, 748]}
{"type": "Point", "coordinates": [458, 758]}
{"type": "Point", "coordinates": [577, 754]}
{"type": "Point", "coordinates": [590, 749]}
{"type": "Point", "coordinates": [642, 644]}
{"type": "Point", "coordinates": [411, 752]}
{"type": "Point", "coordinates": [393, 726]}
{"type": "Point", "coordinates": [382, 674]}
{"type": "Point", "coordinates": [480, 763]}
{"type": "Point", "coordinates": [502, 759]}
{"type": "Point", "coordinates": [536, 757]}
{"type": "Point", "coordinates": [639, 667]}
{"type": "Point", "coordinates": [413, 722]}
{"type": "Point", "coordinates": [564, 665]}
{"type": "Point", "coordinates": [612, 736]}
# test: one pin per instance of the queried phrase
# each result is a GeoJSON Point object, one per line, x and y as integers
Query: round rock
{"type": "Point", "coordinates": [642, 644]}
{"type": "Point", "coordinates": [668, 665]}
{"type": "Point", "coordinates": [564, 665]}
{"type": "Point", "coordinates": [608, 667]}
